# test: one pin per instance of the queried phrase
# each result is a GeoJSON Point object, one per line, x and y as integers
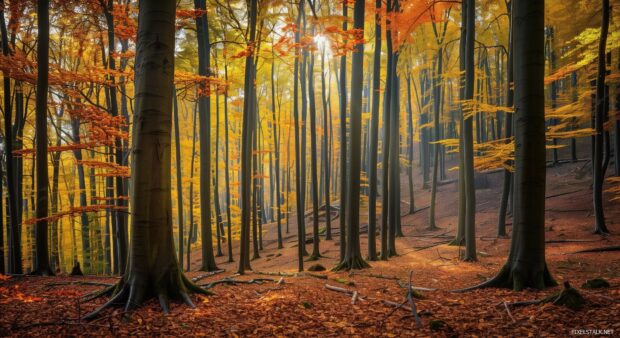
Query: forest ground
{"type": "Point", "coordinates": [302, 306]}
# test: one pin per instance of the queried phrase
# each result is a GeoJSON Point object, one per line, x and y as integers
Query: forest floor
{"type": "Point", "coordinates": [301, 305]}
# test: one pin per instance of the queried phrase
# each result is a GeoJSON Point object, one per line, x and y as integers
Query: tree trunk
{"type": "Point", "coordinates": [325, 149]}
{"type": "Point", "coordinates": [41, 262]}
{"type": "Point", "coordinates": [526, 266]}
{"type": "Point", "coordinates": [191, 191]}
{"type": "Point", "coordinates": [249, 121]}
{"type": "Point", "coordinates": [177, 142]}
{"type": "Point", "coordinates": [410, 145]}
{"type": "Point", "coordinates": [313, 163]}
{"type": "Point", "coordinates": [13, 228]}
{"type": "Point", "coordinates": [274, 130]}
{"type": "Point", "coordinates": [503, 207]}
{"type": "Point", "coordinates": [226, 167]}
{"type": "Point", "coordinates": [121, 225]}
{"type": "Point", "coordinates": [153, 269]}
{"type": "Point", "coordinates": [385, 146]}
{"type": "Point", "coordinates": [374, 139]}
{"type": "Point", "coordinates": [353, 257]}
{"type": "Point", "coordinates": [469, 12]}
{"type": "Point", "coordinates": [342, 86]}
{"type": "Point", "coordinates": [598, 174]}
{"type": "Point", "coordinates": [204, 113]}
{"type": "Point", "coordinates": [298, 203]}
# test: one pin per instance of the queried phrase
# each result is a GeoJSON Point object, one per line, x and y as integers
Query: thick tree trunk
{"type": "Point", "coordinates": [41, 262]}
{"type": "Point", "coordinates": [353, 257]}
{"type": "Point", "coordinates": [526, 266]}
{"type": "Point", "coordinates": [153, 269]}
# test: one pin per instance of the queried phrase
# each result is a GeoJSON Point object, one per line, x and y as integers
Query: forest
{"type": "Point", "coordinates": [323, 168]}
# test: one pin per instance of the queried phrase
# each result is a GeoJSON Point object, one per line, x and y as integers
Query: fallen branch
{"type": "Point", "coordinates": [208, 274]}
{"type": "Point", "coordinates": [602, 249]}
{"type": "Point", "coordinates": [571, 240]}
{"type": "Point", "coordinates": [277, 273]}
{"type": "Point", "coordinates": [509, 314]}
{"type": "Point", "coordinates": [414, 310]}
{"type": "Point", "coordinates": [231, 281]}
{"type": "Point", "coordinates": [431, 246]}
{"type": "Point", "coordinates": [49, 285]}
{"type": "Point", "coordinates": [563, 193]}
{"type": "Point", "coordinates": [354, 294]}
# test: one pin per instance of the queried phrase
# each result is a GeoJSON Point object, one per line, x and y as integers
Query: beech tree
{"type": "Point", "coordinates": [153, 269]}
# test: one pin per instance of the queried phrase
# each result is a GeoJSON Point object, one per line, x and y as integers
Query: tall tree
{"type": "Point", "coordinates": [249, 122]}
{"type": "Point", "coordinates": [153, 269]}
{"type": "Point", "coordinates": [353, 256]}
{"type": "Point", "coordinates": [313, 163]}
{"type": "Point", "coordinates": [343, 141]}
{"type": "Point", "coordinates": [177, 142]}
{"type": "Point", "coordinates": [204, 113]}
{"type": "Point", "coordinates": [599, 117]}
{"type": "Point", "coordinates": [42, 262]}
{"type": "Point", "coordinates": [469, 11]}
{"type": "Point", "coordinates": [501, 223]}
{"type": "Point", "coordinates": [13, 228]}
{"type": "Point", "coordinates": [121, 224]}
{"type": "Point", "coordinates": [374, 139]}
{"type": "Point", "coordinates": [526, 266]}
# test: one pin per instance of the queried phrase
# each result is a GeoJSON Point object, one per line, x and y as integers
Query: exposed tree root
{"type": "Point", "coordinates": [231, 281]}
{"type": "Point", "coordinates": [351, 263]}
{"type": "Point", "coordinates": [277, 273]}
{"type": "Point", "coordinates": [511, 278]}
{"type": "Point", "coordinates": [133, 291]}
{"type": "Point", "coordinates": [602, 249]}
{"type": "Point", "coordinates": [571, 241]}
{"type": "Point", "coordinates": [208, 274]}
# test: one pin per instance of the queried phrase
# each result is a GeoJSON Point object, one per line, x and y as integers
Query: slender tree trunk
{"type": "Point", "coordinates": [299, 205]}
{"type": "Point", "coordinates": [249, 121]}
{"type": "Point", "coordinates": [204, 113]}
{"type": "Point", "coordinates": [177, 142]}
{"type": "Point", "coordinates": [343, 143]}
{"type": "Point", "coordinates": [226, 168]}
{"type": "Point", "coordinates": [469, 12]}
{"type": "Point", "coordinates": [121, 224]}
{"type": "Point", "coordinates": [13, 228]}
{"type": "Point", "coordinates": [503, 207]}
{"type": "Point", "coordinates": [374, 139]}
{"type": "Point", "coordinates": [191, 191]}
{"type": "Point", "coordinates": [219, 227]}
{"type": "Point", "coordinates": [385, 146]}
{"type": "Point", "coordinates": [313, 163]}
{"type": "Point", "coordinates": [599, 175]}
{"type": "Point", "coordinates": [410, 145]}
{"type": "Point", "coordinates": [325, 150]}
{"type": "Point", "coordinates": [274, 130]}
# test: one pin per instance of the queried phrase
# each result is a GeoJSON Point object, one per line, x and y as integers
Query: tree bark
{"type": "Point", "coordinates": [204, 113]}
{"type": "Point", "coordinates": [353, 257]}
{"type": "Point", "coordinates": [41, 262]}
{"type": "Point", "coordinates": [526, 266]}
{"type": "Point", "coordinates": [374, 139]}
{"type": "Point", "coordinates": [153, 269]}
{"type": "Point", "coordinates": [599, 174]}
